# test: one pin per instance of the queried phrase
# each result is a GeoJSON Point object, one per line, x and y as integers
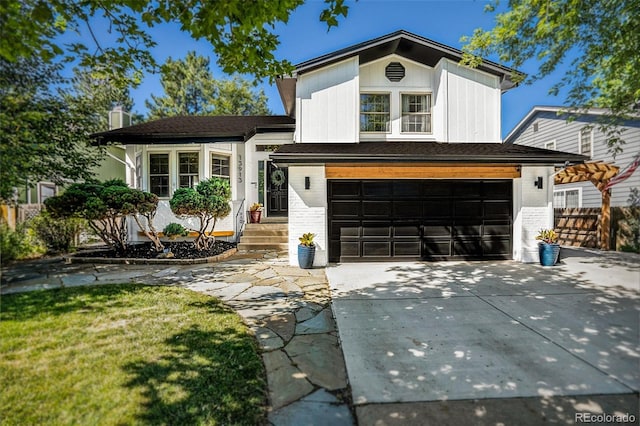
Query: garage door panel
{"type": "Point", "coordinates": [345, 209]}
{"type": "Point", "coordinates": [436, 248]}
{"type": "Point", "coordinates": [406, 248]}
{"type": "Point", "coordinates": [350, 248]}
{"type": "Point", "coordinates": [376, 249]}
{"type": "Point", "coordinates": [496, 246]}
{"type": "Point", "coordinates": [497, 190]}
{"type": "Point", "coordinates": [467, 229]}
{"type": "Point", "coordinates": [497, 228]}
{"type": "Point", "coordinates": [429, 219]}
{"type": "Point", "coordinates": [406, 231]}
{"type": "Point", "coordinates": [467, 247]}
{"type": "Point", "coordinates": [468, 208]}
{"type": "Point", "coordinates": [344, 189]}
{"type": "Point", "coordinates": [377, 189]}
{"type": "Point", "coordinates": [468, 190]}
{"type": "Point", "coordinates": [407, 209]}
{"type": "Point", "coordinates": [436, 230]}
{"type": "Point", "coordinates": [410, 189]}
{"type": "Point", "coordinates": [372, 230]}
{"type": "Point", "coordinates": [376, 208]}
{"type": "Point", "coordinates": [345, 228]}
{"type": "Point", "coordinates": [497, 209]}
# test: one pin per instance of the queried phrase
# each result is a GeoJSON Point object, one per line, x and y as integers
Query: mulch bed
{"type": "Point", "coordinates": [180, 250]}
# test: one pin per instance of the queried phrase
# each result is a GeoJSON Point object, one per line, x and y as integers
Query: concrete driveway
{"type": "Point", "coordinates": [487, 342]}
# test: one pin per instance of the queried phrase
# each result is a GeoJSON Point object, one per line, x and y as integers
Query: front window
{"type": "Point", "coordinates": [159, 174]}
{"type": "Point", "coordinates": [416, 113]}
{"type": "Point", "coordinates": [220, 166]}
{"type": "Point", "coordinates": [188, 166]}
{"type": "Point", "coordinates": [566, 198]}
{"type": "Point", "coordinates": [585, 141]}
{"type": "Point", "coordinates": [375, 113]}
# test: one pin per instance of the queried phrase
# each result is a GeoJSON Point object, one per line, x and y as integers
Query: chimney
{"type": "Point", "coordinates": [119, 118]}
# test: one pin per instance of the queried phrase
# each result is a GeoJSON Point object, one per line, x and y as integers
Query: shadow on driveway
{"type": "Point", "coordinates": [477, 335]}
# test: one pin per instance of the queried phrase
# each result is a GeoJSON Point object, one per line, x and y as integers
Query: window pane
{"type": "Point", "coordinates": [558, 199]}
{"type": "Point", "coordinates": [416, 113]}
{"type": "Point", "coordinates": [573, 199]}
{"type": "Point", "coordinates": [159, 163]}
{"type": "Point", "coordinates": [375, 115]}
{"type": "Point", "coordinates": [220, 167]}
{"type": "Point", "coordinates": [159, 174]}
{"type": "Point", "coordinates": [585, 142]}
{"type": "Point", "coordinates": [159, 185]}
{"type": "Point", "coordinates": [188, 162]}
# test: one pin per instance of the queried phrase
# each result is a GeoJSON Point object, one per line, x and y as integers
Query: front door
{"type": "Point", "coordinates": [277, 192]}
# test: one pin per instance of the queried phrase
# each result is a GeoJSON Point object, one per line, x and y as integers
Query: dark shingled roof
{"type": "Point", "coordinates": [197, 129]}
{"type": "Point", "coordinates": [419, 152]}
{"type": "Point", "coordinates": [408, 45]}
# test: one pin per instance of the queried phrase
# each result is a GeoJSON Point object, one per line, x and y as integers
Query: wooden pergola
{"type": "Point", "coordinates": [598, 173]}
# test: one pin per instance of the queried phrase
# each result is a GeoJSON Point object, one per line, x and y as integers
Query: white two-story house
{"type": "Point", "coordinates": [398, 155]}
{"type": "Point", "coordinates": [389, 150]}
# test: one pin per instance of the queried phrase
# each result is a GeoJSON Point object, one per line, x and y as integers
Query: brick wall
{"type": "Point", "coordinates": [308, 210]}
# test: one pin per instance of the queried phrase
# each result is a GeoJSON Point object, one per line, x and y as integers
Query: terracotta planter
{"type": "Point", "coordinates": [255, 216]}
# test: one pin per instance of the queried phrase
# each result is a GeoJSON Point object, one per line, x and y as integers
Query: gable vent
{"type": "Point", "coordinates": [394, 71]}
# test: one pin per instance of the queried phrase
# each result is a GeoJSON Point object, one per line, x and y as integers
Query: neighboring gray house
{"type": "Point", "coordinates": [547, 127]}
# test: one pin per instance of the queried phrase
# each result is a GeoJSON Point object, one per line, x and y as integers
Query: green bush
{"type": "Point", "coordinates": [174, 230]}
{"type": "Point", "coordinates": [19, 244]}
{"type": "Point", "coordinates": [60, 235]}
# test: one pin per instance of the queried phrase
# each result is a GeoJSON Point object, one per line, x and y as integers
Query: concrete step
{"type": "Point", "coordinates": [266, 227]}
{"type": "Point", "coordinates": [280, 239]}
{"type": "Point", "coordinates": [271, 234]}
{"type": "Point", "coordinates": [263, 246]}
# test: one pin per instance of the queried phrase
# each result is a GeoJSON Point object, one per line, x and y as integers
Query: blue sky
{"type": "Point", "coordinates": [305, 37]}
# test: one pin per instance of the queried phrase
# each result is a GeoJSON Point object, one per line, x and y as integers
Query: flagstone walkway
{"type": "Point", "coordinates": [288, 309]}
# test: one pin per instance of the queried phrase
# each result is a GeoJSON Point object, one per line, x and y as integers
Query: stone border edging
{"type": "Point", "coordinates": [72, 258]}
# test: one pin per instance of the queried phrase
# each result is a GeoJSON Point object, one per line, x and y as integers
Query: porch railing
{"type": "Point", "coordinates": [240, 221]}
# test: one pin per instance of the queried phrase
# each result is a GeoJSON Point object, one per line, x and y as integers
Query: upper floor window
{"type": "Point", "coordinates": [159, 174]}
{"type": "Point", "coordinates": [188, 167]}
{"type": "Point", "coordinates": [416, 113]}
{"type": "Point", "coordinates": [220, 166]}
{"type": "Point", "coordinates": [375, 113]}
{"type": "Point", "coordinates": [586, 139]}
{"type": "Point", "coordinates": [550, 145]}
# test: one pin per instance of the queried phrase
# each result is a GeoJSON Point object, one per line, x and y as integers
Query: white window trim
{"type": "Point", "coordinates": [550, 142]}
{"type": "Point", "coordinates": [430, 114]}
{"type": "Point", "coordinates": [178, 174]}
{"type": "Point", "coordinates": [564, 190]}
{"type": "Point", "coordinates": [218, 155]}
{"type": "Point", "coordinates": [373, 92]}
{"type": "Point", "coordinates": [580, 142]}
{"type": "Point", "coordinates": [172, 185]}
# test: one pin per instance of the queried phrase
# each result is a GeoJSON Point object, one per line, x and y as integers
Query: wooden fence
{"type": "Point", "coordinates": [580, 227]}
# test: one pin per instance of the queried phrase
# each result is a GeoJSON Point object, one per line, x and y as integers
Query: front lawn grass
{"type": "Point", "coordinates": [126, 354]}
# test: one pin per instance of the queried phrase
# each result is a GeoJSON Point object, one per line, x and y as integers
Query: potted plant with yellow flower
{"type": "Point", "coordinates": [548, 247]}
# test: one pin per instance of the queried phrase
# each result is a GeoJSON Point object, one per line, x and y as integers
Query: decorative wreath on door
{"type": "Point", "coordinates": [277, 177]}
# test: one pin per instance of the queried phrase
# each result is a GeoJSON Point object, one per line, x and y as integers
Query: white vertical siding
{"type": "Point", "coordinates": [550, 127]}
{"type": "Point", "coordinates": [308, 211]}
{"type": "Point", "coordinates": [440, 96]}
{"type": "Point", "coordinates": [473, 105]}
{"type": "Point", "coordinates": [327, 104]}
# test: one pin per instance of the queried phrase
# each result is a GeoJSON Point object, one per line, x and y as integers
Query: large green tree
{"type": "Point", "coordinates": [241, 32]}
{"type": "Point", "coordinates": [597, 40]}
{"type": "Point", "coordinates": [42, 137]}
{"type": "Point", "coordinates": [190, 89]}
